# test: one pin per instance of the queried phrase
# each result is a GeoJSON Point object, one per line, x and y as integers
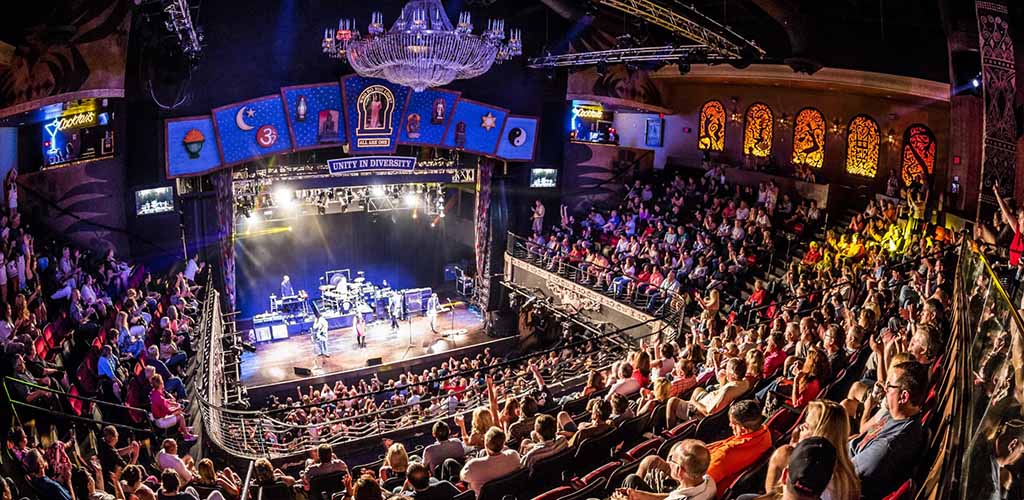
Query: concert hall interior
{"type": "Point", "coordinates": [512, 250]}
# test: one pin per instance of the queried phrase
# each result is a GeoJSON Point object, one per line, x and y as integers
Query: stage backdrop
{"type": "Point", "coordinates": [408, 253]}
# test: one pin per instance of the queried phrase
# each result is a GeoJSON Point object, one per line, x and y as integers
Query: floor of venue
{"type": "Point", "coordinates": [274, 361]}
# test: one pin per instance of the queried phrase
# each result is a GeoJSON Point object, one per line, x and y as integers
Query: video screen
{"type": "Point", "coordinates": [154, 201]}
{"type": "Point", "coordinates": [543, 177]}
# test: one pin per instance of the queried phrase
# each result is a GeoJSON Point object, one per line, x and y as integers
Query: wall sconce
{"type": "Point", "coordinates": [735, 117]}
{"type": "Point", "coordinates": [837, 127]}
{"type": "Point", "coordinates": [785, 121]}
{"type": "Point", "coordinates": [890, 138]}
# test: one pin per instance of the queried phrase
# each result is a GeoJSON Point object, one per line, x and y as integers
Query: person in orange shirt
{"type": "Point", "coordinates": [750, 441]}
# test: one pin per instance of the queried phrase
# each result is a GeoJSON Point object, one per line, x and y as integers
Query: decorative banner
{"type": "Point", "coordinates": [373, 113]}
{"type": "Point", "coordinates": [314, 115]}
{"type": "Point", "coordinates": [427, 117]}
{"type": "Point", "coordinates": [519, 139]}
{"type": "Point", "coordinates": [251, 129]}
{"type": "Point", "coordinates": [999, 150]}
{"type": "Point", "coordinates": [475, 127]}
{"type": "Point", "coordinates": [189, 146]}
{"type": "Point", "coordinates": [371, 163]}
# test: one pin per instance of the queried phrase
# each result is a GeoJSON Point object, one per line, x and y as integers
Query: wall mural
{"type": "Point", "coordinates": [711, 136]}
{"type": "Point", "coordinates": [809, 138]}
{"type": "Point", "coordinates": [862, 139]}
{"type": "Point", "coordinates": [918, 154]}
{"type": "Point", "coordinates": [758, 132]}
{"type": "Point", "coordinates": [999, 85]}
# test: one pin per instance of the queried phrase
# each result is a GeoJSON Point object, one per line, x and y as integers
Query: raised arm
{"type": "Point", "coordinates": [1005, 209]}
{"type": "Point", "coordinates": [492, 401]}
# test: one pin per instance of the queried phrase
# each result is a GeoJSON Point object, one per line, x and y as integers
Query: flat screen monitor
{"type": "Point", "coordinates": [154, 201]}
{"type": "Point", "coordinates": [543, 177]}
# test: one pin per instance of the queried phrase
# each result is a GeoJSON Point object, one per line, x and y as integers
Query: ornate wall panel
{"type": "Point", "coordinates": [758, 132]}
{"type": "Point", "coordinates": [809, 138]}
{"type": "Point", "coordinates": [918, 160]}
{"type": "Point", "coordinates": [711, 136]}
{"type": "Point", "coordinates": [999, 86]}
{"type": "Point", "coordinates": [862, 139]}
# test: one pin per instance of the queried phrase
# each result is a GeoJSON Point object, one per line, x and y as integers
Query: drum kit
{"type": "Point", "coordinates": [359, 295]}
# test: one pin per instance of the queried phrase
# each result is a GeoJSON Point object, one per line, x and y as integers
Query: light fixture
{"type": "Point", "coordinates": [836, 127]}
{"type": "Point", "coordinates": [422, 49]}
{"type": "Point", "coordinates": [412, 200]}
{"type": "Point", "coordinates": [377, 191]}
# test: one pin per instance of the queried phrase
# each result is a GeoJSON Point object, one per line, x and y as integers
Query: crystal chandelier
{"type": "Point", "coordinates": [422, 49]}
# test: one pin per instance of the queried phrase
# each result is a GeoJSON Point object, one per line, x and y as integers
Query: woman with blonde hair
{"type": "Point", "coordinates": [396, 462]}
{"type": "Point", "coordinates": [825, 419]}
{"type": "Point", "coordinates": [642, 368]}
{"type": "Point", "coordinates": [810, 381]}
{"type": "Point", "coordinates": [482, 420]}
{"type": "Point", "coordinates": [755, 366]}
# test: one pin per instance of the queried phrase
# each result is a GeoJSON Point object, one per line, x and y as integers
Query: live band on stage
{"type": "Point", "coordinates": [349, 305]}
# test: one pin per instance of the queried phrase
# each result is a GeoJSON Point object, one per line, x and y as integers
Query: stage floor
{"type": "Point", "coordinates": [274, 361]}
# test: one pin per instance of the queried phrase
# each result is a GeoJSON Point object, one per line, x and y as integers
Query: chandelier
{"type": "Point", "coordinates": [422, 49]}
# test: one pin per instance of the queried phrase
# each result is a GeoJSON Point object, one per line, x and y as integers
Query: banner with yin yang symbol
{"type": "Point", "coordinates": [519, 139]}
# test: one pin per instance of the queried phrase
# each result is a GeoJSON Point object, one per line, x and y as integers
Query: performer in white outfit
{"type": "Point", "coordinates": [320, 336]}
{"type": "Point", "coordinates": [432, 310]}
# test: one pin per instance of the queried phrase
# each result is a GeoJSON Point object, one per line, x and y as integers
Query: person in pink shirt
{"type": "Point", "coordinates": [166, 410]}
{"type": "Point", "coordinates": [774, 355]}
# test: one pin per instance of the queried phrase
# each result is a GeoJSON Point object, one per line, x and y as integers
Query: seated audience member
{"type": "Point", "coordinates": [85, 487]}
{"type": "Point", "coordinates": [167, 458]}
{"type": "Point", "coordinates": [264, 474]}
{"type": "Point", "coordinates": [421, 486]}
{"type": "Point", "coordinates": [325, 464]}
{"type": "Point", "coordinates": [885, 452]}
{"type": "Point", "coordinates": [620, 409]}
{"type": "Point", "coordinates": [825, 419]}
{"type": "Point", "coordinates": [226, 482]}
{"type": "Point", "coordinates": [704, 403]}
{"type": "Point", "coordinates": [600, 412]}
{"type": "Point", "coordinates": [808, 473]}
{"type": "Point", "coordinates": [132, 483]}
{"type": "Point", "coordinates": [112, 458]}
{"type": "Point", "coordinates": [172, 383]}
{"type": "Point", "coordinates": [750, 440]}
{"type": "Point", "coordinates": [166, 411]}
{"type": "Point", "coordinates": [170, 488]}
{"type": "Point", "coordinates": [625, 384]}
{"type": "Point", "coordinates": [521, 428]}
{"type": "Point", "coordinates": [35, 466]}
{"type": "Point", "coordinates": [444, 447]}
{"type": "Point", "coordinates": [687, 467]}
{"type": "Point", "coordinates": [543, 442]}
{"type": "Point", "coordinates": [497, 461]}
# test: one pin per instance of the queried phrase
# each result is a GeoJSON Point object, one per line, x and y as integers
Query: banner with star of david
{"type": "Point", "coordinates": [251, 129]}
{"type": "Point", "coordinates": [475, 127]}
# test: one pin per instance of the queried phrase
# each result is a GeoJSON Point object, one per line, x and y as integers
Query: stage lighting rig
{"type": "Point", "coordinates": [180, 24]}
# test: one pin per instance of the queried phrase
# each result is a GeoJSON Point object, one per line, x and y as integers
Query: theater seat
{"type": "Point", "coordinates": [643, 449]}
{"type": "Point", "coordinates": [605, 471]}
{"type": "Point", "coordinates": [511, 484]}
{"type": "Point", "coordinates": [554, 494]}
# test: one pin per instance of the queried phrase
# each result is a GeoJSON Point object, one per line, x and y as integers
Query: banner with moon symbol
{"type": "Point", "coordinates": [251, 129]}
{"type": "Point", "coordinates": [314, 115]}
{"type": "Point", "coordinates": [475, 127]}
{"type": "Point", "coordinates": [190, 146]}
{"type": "Point", "coordinates": [518, 140]}
{"type": "Point", "coordinates": [426, 118]}
{"type": "Point", "coordinates": [373, 113]}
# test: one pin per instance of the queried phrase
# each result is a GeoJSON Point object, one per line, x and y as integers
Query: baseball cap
{"type": "Point", "coordinates": [811, 466]}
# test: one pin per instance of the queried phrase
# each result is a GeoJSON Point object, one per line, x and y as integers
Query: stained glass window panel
{"type": "Point", "coordinates": [809, 138]}
{"type": "Point", "coordinates": [711, 136]}
{"type": "Point", "coordinates": [757, 135]}
{"type": "Point", "coordinates": [918, 154]}
{"type": "Point", "coordinates": [862, 140]}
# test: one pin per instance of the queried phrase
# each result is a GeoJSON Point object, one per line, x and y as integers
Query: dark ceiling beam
{"type": "Point", "coordinates": [798, 29]}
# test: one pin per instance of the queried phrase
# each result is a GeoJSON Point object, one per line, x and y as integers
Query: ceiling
{"type": "Point", "coordinates": [903, 37]}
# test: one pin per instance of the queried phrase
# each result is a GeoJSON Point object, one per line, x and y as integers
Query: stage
{"type": "Point", "coordinates": [274, 361]}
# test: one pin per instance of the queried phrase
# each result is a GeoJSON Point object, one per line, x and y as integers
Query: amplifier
{"type": "Point", "coordinates": [263, 333]}
{"type": "Point", "coordinates": [416, 300]}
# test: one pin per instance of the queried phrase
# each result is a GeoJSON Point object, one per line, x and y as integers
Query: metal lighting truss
{"type": "Point", "coordinates": [693, 25]}
{"type": "Point", "coordinates": [668, 53]}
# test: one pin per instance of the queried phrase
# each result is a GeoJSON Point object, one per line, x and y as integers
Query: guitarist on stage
{"type": "Point", "coordinates": [320, 336]}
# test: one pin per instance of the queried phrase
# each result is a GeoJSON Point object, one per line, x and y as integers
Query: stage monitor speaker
{"type": "Point", "coordinates": [374, 361]}
{"type": "Point", "coordinates": [263, 334]}
{"type": "Point", "coordinates": [450, 272]}
{"type": "Point", "coordinates": [279, 331]}
{"type": "Point", "coordinates": [302, 372]}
